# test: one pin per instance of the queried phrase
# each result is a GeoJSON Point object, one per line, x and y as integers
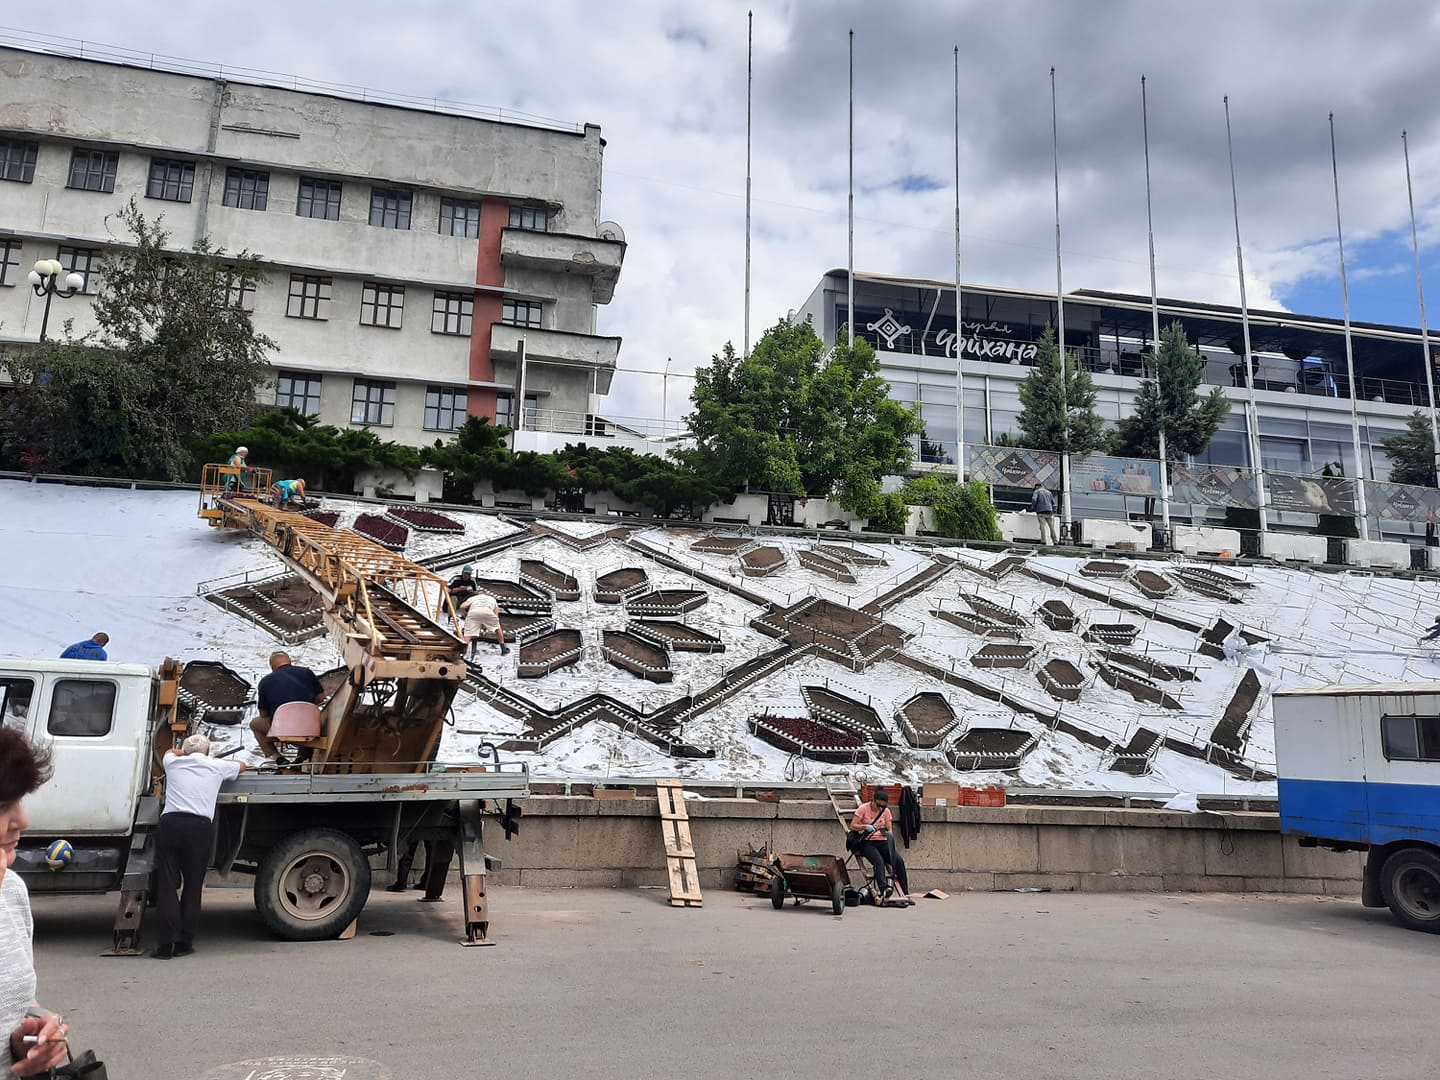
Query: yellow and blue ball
{"type": "Point", "coordinates": [59, 854]}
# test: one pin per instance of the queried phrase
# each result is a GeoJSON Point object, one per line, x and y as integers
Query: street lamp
{"type": "Point", "coordinates": [44, 279]}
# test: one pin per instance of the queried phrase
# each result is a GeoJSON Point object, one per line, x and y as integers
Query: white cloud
{"type": "Point", "coordinates": [666, 81]}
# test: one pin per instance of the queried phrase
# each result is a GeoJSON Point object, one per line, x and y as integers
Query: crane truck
{"type": "Point", "coordinates": [370, 785]}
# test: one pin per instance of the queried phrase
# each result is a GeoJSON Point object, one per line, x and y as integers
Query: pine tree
{"type": "Point", "coordinates": [1169, 402]}
{"type": "Point", "coordinates": [1058, 409]}
{"type": "Point", "coordinates": [1412, 454]}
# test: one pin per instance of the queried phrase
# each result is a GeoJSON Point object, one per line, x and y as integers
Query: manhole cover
{"type": "Point", "coordinates": [302, 1067]}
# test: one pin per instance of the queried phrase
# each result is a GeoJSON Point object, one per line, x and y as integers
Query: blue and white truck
{"type": "Point", "coordinates": [1359, 770]}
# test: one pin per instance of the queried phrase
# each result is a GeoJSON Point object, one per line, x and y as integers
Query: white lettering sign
{"type": "Point", "coordinates": [1000, 352]}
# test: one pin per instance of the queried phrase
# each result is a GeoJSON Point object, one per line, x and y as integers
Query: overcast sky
{"type": "Point", "coordinates": [666, 82]}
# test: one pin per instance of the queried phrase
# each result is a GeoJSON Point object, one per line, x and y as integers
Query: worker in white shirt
{"type": "Point", "coordinates": [482, 616]}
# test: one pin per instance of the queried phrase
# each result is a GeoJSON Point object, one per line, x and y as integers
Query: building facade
{"type": "Point", "coordinates": [1302, 390]}
{"type": "Point", "coordinates": [415, 255]}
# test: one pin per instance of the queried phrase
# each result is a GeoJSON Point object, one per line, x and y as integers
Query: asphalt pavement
{"type": "Point", "coordinates": [604, 983]}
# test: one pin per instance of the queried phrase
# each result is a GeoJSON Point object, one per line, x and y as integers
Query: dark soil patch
{"type": "Point", "coordinates": [1056, 614]}
{"type": "Point", "coordinates": [925, 720]}
{"type": "Point", "coordinates": [682, 638]}
{"type": "Point", "coordinates": [853, 556]}
{"type": "Point", "coordinates": [1105, 568]}
{"type": "Point", "coordinates": [562, 585]}
{"type": "Point", "coordinates": [520, 627]}
{"type": "Point", "coordinates": [1153, 585]}
{"type": "Point", "coordinates": [852, 715]}
{"type": "Point", "coordinates": [809, 738]}
{"type": "Point", "coordinates": [667, 601]}
{"type": "Point", "coordinates": [613, 587]}
{"type": "Point", "coordinates": [761, 561]}
{"type": "Point", "coordinates": [719, 545]}
{"type": "Point", "coordinates": [832, 618]}
{"type": "Point", "coordinates": [1136, 757]}
{"type": "Point", "coordinates": [1230, 731]}
{"type": "Point", "coordinates": [261, 609]}
{"type": "Point", "coordinates": [1061, 679]}
{"type": "Point", "coordinates": [1002, 655]}
{"type": "Point", "coordinates": [996, 612]}
{"type": "Point", "coordinates": [548, 653]}
{"type": "Point", "coordinates": [214, 684]}
{"type": "Point", "coordinates": [324, 517]}
{"type": "Point", "coordinates": [512, 595]}
{"type": "Point", "coordinates": [386, 533]}
{"type": "Point", "coordinates": [831, 568]}
{"type": "Point", "coordinates": [978, 624]}
{"type": "Point", "coordinates": [997, 570]}
{"type": "Point", "coordinates": [637, 656]}
{"type": "Point", "coordinates": [293, 594]}
{"type": "Point", "coordinates": [1152, 668]}
{"type": "Point", "coordinates": [990, 748]}
{"type": "Point", "coordinates": [1137, 686]}
{"type": "Point", "coordinates": [1111, 633]}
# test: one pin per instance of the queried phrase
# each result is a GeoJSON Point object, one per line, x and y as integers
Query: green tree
{"type": "Point", "coordinates": [961, 511]}
{"type": "Point", "coordinates": [1412, 452]}
{"type": "Point", "coordinates": [478, 451]}
{"type": "Point", "coordinates": [1057, 407]}
{"type": "Point", "coordinates": [796, 418]}
{"type": "Point", "coordinates": [171, 358]}
{"type": "Point", "coordinates": [1170, 402]}
{"type": "Point", "coordinates": [291, 445]}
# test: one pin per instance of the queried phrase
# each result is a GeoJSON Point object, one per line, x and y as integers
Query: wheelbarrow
{"type": "Point", "coordinates": [810, 877]}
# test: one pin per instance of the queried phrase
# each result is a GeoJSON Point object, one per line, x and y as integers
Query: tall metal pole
{"type": "Point", "coordinates": [1252, 415]}
{"type": "Point", "coordinates": [959, 317]}
{"type": "Point", "coordinates": [749, 93]}
{"type": "Point", "coordinates": [1349, 348]}
{"type": "Point", "coordinates": [1154, 310]}
{"type": "Point", "coordinates": [1420, 293]}
{"type": "Point", "coordinates": [850, 231]}
{"type": "Point", "coordinates": [1060, 317]}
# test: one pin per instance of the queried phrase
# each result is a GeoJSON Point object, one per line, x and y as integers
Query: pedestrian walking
{"type": "Point", "coordinates": [1043, 504]}
{"type": "Point", "coordinates": [183, 840]}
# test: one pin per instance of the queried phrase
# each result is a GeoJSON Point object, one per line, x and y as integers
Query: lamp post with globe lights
{"type": "Point", "coordinates": [45, 280]}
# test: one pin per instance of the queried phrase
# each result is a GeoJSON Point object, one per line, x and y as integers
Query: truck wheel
{"type": "Point", "coordinates": [1410, 883]}
{"type": "Point", "coordinates": [312, 884]}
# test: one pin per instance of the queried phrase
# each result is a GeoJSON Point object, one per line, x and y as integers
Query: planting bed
{"type": "Point", "coordinates": [1003, 655]}
{"type": "Point", "coordinates": [666, 602]}
{"type": "Point", "coordinates": [1056, 614]}
{"type": "Point", "coordinates": [997, 570]}
{"type": "Point", "coordinates": [853, 555]}
{"type": "Point", "coordinates": [384, 532]}
{"type": "Point", "coordinates": [1105, 568]}
{"type": "Point", "coordinates": [1146, 666]}
{"type": "Point", "coordinates": [425, 520]}
{"type": "Point", "coordinates": [1230, 731]}
{"type": "Point", "coordinates": [211, 692]}
{"type": "Point", "coordinates": [1062, 680]}
{"type": "Point", "coordinates": [762, 561]}
{"type": "Point", "coordinates": [978, 624]}
{"type": "Point", "coordinates": [512, 596]}
{"type": "Point", "coordinates": [556, 582]}
{"type": "Point", "coordinates": [286, 607]}
{"type": "Point", "coordinates": [1137, 686]}
{"type": "Point", "coordinates": [521, 628]}
{"type": "Point", "coordinates": [809, 738]}
{"type": "Point", "coordinates": [925, 720]}
{"type": "Point", "coordinates": [821, 564]}
{"type": "Point", "coordinates": [1111, 633]}
{"type": "Point", "coordinates": [1136, 757]}
{"type": "Point", "coordinates": [991, 748]}
{"type": "Point", "coordinates": [636, 655]}
{"type": "Point", "coordinates": [678, 636]}
{"type": "Point", "coordinates": [720, 545]}
{"type": "Point", "coordinates": [852, 715]}
{"type": "Point", "coordinates": [616, 586]}
{"type": "Point", "coordinates": [995, 612]}
{"type": "Point", "coordinates": [1154, 586]}
{"type": "Point", "coordinates": [324, 517]}
{"type": "Point", "coordinates": [549, 652]}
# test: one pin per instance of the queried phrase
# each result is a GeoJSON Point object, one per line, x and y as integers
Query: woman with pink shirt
{"type": "Point", "coordinates": [877, 844]}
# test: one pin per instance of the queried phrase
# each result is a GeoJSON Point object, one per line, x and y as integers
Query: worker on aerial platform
{"type": "Point", "coordinates": [238, 461]}
{"type": "Point", "coordinates": [284, 492]}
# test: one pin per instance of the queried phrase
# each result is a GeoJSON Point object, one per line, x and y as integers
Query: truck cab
{"type": "Point", "coordinates": [1359, 770]}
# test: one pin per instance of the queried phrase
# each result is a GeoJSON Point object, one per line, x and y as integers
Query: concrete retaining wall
{"type": "Point", "coordinates": [585, 842]}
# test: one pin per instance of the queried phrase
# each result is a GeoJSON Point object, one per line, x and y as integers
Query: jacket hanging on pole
{"type": "Point", "coordinates": [909, 815]}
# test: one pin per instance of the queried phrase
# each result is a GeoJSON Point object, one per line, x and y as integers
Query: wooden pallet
{"type": "Point", "coordinates": [679, 851]}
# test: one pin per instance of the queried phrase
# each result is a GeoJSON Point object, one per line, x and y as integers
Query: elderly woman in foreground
{"type": "Point", "coordinates": [34, 1039]}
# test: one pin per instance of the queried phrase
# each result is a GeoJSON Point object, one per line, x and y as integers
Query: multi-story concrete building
{"type": "Point", "coordinates": [415, 253]}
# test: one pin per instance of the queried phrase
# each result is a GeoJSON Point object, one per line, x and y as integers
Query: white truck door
{"type": "Point", "coordinates": [95, 727]}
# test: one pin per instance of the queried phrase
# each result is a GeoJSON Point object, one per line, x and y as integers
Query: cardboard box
{"type": "Point", "coordinates": [949, 792]}
{"type": "Point", "coordinates": [614, 793]}
{"type": "Point", "coordinates": [933, 802]}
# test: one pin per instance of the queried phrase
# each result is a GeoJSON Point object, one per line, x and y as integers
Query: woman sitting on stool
{"type": "Point", "coordinates": [875, 827]}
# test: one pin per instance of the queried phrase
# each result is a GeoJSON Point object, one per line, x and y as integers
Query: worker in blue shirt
{"type": "Point", "coordinates": [91, 649]}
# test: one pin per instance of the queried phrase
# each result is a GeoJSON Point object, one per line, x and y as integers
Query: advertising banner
{"type": "Point", "coordinates": [1213, 485]}
{"type": "Point", "coordinates": [1312, 494]}
{"type": "Point", "coordinates": [1099, 474]}
{"type": "Point", "coordinates": [1008, 466]}
{"type": "Point", "coordinates": [1402, 502]}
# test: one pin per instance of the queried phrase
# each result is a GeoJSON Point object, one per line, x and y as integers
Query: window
{"type": "Point", "coordinates": [17, 160]}
{"type": "Point", "coordinates": [452, 313]}
{"type": "Point", "coordinates": [246, 189]}
{"type": "Point", "coordinates": [381, 305]}
{"type": "Point", "coordinates": [93, 170]}
{"type": "Point", "coordinates": [15, 695]}
{"type": "Point", "coordinates": [459, 218]}
{"type": "Point", "coordinates": [521, 313]}
{"type": "Point", "coordinates": [309, 297]}
{"type": "Point", "coordinates": [505, 410]}
{"type": "Point", "coordinates": [299, 392]}
{"type": "Point", "coordinates": [81, 707]}
{"type": "Point", "coordinates": [241, 290]}
{"type": "Point", "coordinates": [445, 409]}
{"type": "Point", "coordinates": [82, 261]}
{"type": "Point", "coordinates": [373, 403]}
{"type": "Point", "coordinates": [9, 262]}
{"type": "Point", "coordinates": [172, 180]}
{"type": "Point", "coordinates": [318, 199]}
{"type": "Point", "coordinates": [530, 217]}
{"type": "Point", "coordinates": [390, 209]}
{"type": "Point", "coordinates": [1410, 738]}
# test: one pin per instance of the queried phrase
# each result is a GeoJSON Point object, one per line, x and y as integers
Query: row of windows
{"type": "Point", "coordinates": [76, 260]}
{"type": "Point", "coordinates": [373, 402]}
{"type": "Point", "coordinates": [173, 180]}
{"type": "Point", "coordinates": [80, 707]}
{"type": "Point", "coordinates": [384, 305]}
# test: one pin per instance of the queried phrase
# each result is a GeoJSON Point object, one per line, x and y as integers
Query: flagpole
{"type": "Point", "coordinates": [1060, 319]}
{"type": "Point", "coordinates": [959, 317]}
{"type": "Point", "coordinates": [1154, 310]}
{"type": "Point", "coordinates": [749, 93]}
{"type": "Point", "coordinates": [1252, 416]}
{"type": "Point", "coordinates": [850, 264]}
{"type": "Point", "coordinates": [1349, 346]}
{"type": "Point", "coordinates": [1420, 293]}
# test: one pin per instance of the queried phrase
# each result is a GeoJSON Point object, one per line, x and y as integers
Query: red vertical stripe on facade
{"type": "Point", "coordinates": [494, 216]}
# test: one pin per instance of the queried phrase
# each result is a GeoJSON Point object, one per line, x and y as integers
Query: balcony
{"type": "Point", "coordinates": [554, 347]}
{"type": "Point", "coordinates": [561, 253]}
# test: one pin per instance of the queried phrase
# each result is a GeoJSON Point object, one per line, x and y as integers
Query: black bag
{"type": "Point", "coordinates": [853, 839]}
{"type": "Point", "coordinates": [84, 1067]}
